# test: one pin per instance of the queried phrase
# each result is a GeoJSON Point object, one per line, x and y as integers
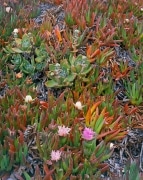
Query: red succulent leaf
{"type": "Point", "coordinates": [21, 137]}
{"type": "Point", "coordinates": [43, 104]}
{"type": "Point", "coordinates": [105, 134]}
{"type": "Point", "coordinates": [48, 172]}
{"type": "Point", "coordinates": [12, 148]}
{"type": "Point", "coordinates": [103, 167]}
{"type": "Point", "coordinates": [129, 110]}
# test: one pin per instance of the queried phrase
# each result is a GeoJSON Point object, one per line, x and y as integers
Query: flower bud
{"type": "Point", "coordinates": [28, 98]}
{"type": "Point", "coordinates": [15, 30]}
{"type": "Point", "coordinates": [78, 105]}
{"type": "Point", "coordinates": [8, 9]}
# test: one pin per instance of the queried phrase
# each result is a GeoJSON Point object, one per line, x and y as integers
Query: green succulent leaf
{"type": "Point", "coordinates": [16, 50]}
{"type": "Point", "coordinates": [51, 83]}
{"type": "Point", "coordinates": [25, 42]}
{"type": "Point", "coordinates": [27, 67]}
{"type": "Point", "coordinates": [27, 176]}
{"type": "Point", "coordinates": [18, 41]}
{"type": "Point", "coordinates": [70, 78]}
{"type": "Point", "coordinates": [39, 59]}
{"type": "Point", "coordinates": [16, 59]}
{"type": "Point", "coordinates": [39, 66]}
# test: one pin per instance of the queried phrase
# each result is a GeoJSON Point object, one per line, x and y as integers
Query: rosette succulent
{"type": "Point", "coordinates": [63, 74]}
{"type": "Point", "coordinates": [25, 56]}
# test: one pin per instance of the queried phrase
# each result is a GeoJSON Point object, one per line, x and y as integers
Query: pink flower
{"type": "Point", "coordinates": [88, 134]}
{"type": "Point", "coordinates": [63, 131]}
{"type": "Point", "coordinates": [55, 155]}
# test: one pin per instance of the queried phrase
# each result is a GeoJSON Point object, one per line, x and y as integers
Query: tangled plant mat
{"type": "Point", "coordinates": [71, 90]}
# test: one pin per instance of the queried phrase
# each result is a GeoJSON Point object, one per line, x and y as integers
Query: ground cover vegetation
{"type": "Point", "coordinates": [71, 89]}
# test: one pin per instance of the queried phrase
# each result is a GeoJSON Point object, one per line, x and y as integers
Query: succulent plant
{"type": "Point", "coordinates": [22, 55]}
{"type": "Point", "coordinates": [20, 45]}
{"type": "Point", "coordinates": [134, 92]}
{"type": "Point", "coordinates": [7, 24]}
{"type": "Point", "coordinates": [70, 134]}
{"type": "Point", "coordinates": [64, 74]}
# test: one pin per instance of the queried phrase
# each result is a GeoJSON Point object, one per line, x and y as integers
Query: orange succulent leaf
{"type": "Point", "coordinates": [92, 19]}
{"type": "Point", "coordinates": [22, 127]}
{"type": "Point", "coordinates": [105, 134]}
{"type": "Point", "coordinates": [103, 167]}
{"type": "Point", "coordinates": [95, 106]}
{"type": "Point", "coordinates": [129, 110]}
{"type": "Point", "coordinates": [12, 148]}
{"type": "Point", "coordinates": [88, 117]}
{"type": "Point", "coordinates": [126, 108]}
{"type": "Point", "coordinates": [95, 53]}
{"type": "Point", "coordinates": [43, 105]}
{"type": "Point", "coordinates": [121, 135]}
{"type": "Point", "coordinates": [46, 34]}
{"type": "Point", "coordinates": [116, 123]}
{"type": "Point", "coordinates": [48, 172]}
{"type": "Point", "coordinates": [21, 137]}
{"type": "Point", "coordinates": [134, 110]}
{"type": "Point", "coordinates": [90, 112]}
{"type": "Point", "coordinates": [109, 120]}
{"type": "Point", "coordinates": [112, 136]}
{"type": "Point", "coordinates": [58, 2]}
{"type": "Point", "coordinates": [58, 34]}
{"type": "Point", "coordinates": [75, 95]}
{"type": "Point", "coordinates": [117, 126]}
{"type": "Point", "coordinates": [47, 177]}
{"type": "Point", "coordinates": [89, 51]}
{"type": "Point", "coordinates": [91, 56]}
{"type": "Point", "coordinates": [95, 114]}
{"type": "Point", "coordinates": [106, 115]}
{"type": "Point", "coordinates": [103, 112]}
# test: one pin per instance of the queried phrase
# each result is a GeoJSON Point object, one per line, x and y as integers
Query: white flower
{"type": "Point", "coordinates": [142, 9]}
{"type": "Point", "coordinates": [8, 9]}
{"type": "Point", "coordinates": [111, 145]}
{"type": "Point", "coordinates": [78, 105]}
{"type": "Point", "coordinates": [55, 155]}
{"type": "Point", "coordinates": [15, 31]}
{"type": "Point", "coordinates": [126, 21]}
{"type": "Point", "coordinates": [63, 131]}
{"type": "Point", "coordinates": [28, 98]}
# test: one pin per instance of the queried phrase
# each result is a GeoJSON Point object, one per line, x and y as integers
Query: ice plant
{"type": "Point", "coordinates": [91, 61]}
{"type": "Point", "coordinates": [63, 131]}
{"type": "Point", "coordinates": [88, 134]}
{"type": "Point", "coordinates": [55, 155]}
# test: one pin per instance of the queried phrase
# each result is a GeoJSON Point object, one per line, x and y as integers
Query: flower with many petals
{"type": "Point", "coordinates": [56, 155]}
{"type": "Point", "coordinates": [63, 131]}
{"type": "Point", "coordinates": [88, 134]}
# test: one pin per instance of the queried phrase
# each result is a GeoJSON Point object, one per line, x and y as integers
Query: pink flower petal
{"type": "Point", "coordinates": [88, 134]}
